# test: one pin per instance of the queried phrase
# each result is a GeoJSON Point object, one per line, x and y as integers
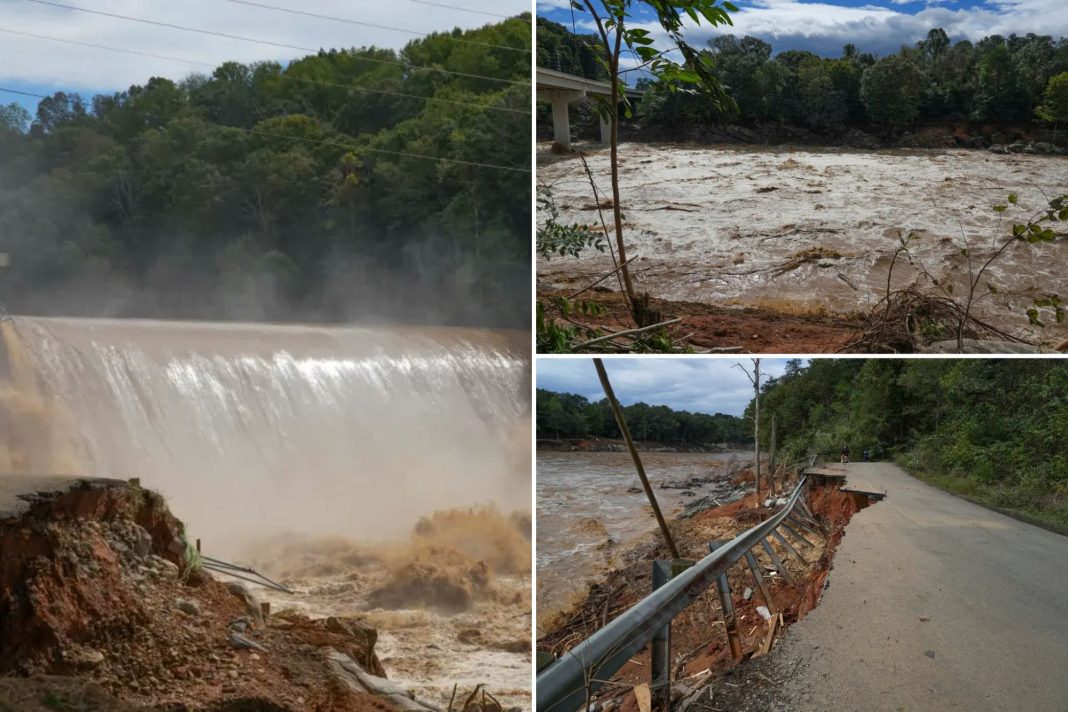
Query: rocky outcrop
{"type": "Point", "coordinates": [1035, 147]}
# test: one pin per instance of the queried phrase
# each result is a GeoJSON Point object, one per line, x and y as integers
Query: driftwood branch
{"type": "Point", "coordinates": [603, 278]}
{"type": "Point", "coordinates": [628, 332]}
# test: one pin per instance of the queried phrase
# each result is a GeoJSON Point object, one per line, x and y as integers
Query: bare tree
{"type": "Point", "coordinates": [754, 378]}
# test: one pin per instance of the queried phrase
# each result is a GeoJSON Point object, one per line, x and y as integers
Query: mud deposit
{"type": "Point", "coordinates": [589, 513]}
{"type": "Point", "coordinates": [812, 232]}
{"type": "Point", "coordinates": [700, 654]}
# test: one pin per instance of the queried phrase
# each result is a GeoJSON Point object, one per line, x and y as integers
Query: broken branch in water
{"type": "Point", "coordinates": [628, 332]}
{"type": "Point", "coordinates": [603, 278]}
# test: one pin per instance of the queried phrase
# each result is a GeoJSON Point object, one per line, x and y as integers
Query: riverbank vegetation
{"type": "Point", "coordinates": [354, 184]}
{"type": "Point", "coordinates": [1000, 80]}
{"type": "Point", "coordinates": [992, 430]}
{"type": "Point", "coordinates": [570, 416]}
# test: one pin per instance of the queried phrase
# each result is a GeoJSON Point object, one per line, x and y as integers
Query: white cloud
{"type": "Point", "coordinates": [548, 5]}
{"type": "Point", "coordinates": [39, 62]}
{"type": "Point", "coordinates": [825, 28]}
{"type": "Point", "coordinates": [702, 384]}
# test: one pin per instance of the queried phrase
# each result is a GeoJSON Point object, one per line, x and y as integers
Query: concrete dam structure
{"type": "Point", "coordinates": [253, 429]}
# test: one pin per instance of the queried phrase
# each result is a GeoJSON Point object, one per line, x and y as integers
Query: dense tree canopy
{"type": "Point", "coordinates": [1054, 107]}
{"type": "Point", "coordinates": [565, 415]}
{"type": "Point", "coordinates": [992, 429]}
{"type": "Point", "coordinates": [283, 192]}
{"type": "Point", "coordinates": [998, 79]}
{"type": "Point", "coordinates": [564, 51]}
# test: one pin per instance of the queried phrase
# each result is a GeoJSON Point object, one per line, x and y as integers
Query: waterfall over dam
{"type": "Point", "coordinates": [253, 429]}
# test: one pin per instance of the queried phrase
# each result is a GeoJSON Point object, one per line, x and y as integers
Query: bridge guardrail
{"type": "Point", "coordinates": [567, 683]}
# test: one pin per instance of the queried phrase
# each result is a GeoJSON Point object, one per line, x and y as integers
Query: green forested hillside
{"type": "Point", "coordinates": [566, 415]}
{"type": "Point", "coordinates": [996, 79]}
{"type": "Point", "coordinates": [992, 429]}
{"type": "Point", "coordinates": [279, 192]}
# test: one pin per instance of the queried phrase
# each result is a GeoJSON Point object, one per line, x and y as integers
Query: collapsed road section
{"type": "Point", "coordinates": [622, 647]}
{"type": "Point", "coordinates": [102, 598]}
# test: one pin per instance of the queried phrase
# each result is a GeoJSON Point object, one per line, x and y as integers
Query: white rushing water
{"type": "Point", "coordinates": [727, 226]}
{"type": "Point", "coordinates": [250, 429]}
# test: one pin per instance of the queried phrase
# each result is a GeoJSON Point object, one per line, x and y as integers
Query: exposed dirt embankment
{"type": "Point", "coordinates": [96, 583]}
{"type": "Point", "coordinates": [700, 650]}
{"type": "Point", "coordinates": [752, 330]}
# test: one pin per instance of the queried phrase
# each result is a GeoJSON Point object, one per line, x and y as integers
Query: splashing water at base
{"type": "Point", "coordinates": [254, 431]}
{"type": "Point", "coordinates": [250, 429]}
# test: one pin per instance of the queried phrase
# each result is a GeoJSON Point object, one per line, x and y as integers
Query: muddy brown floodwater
{"type": "Point", "coordinates": [451, 604]}
{"type": "Point", "coordinates": [813, 232]}
{"type": "Point", "coordinates": [588, 512]}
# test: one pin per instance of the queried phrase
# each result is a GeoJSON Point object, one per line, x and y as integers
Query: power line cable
{"type": "Point", "coordinates": [110, 49]}
{"type": "Point", "coordinates": [269, 43]}
{"type": "Point", "coordinates": [471, 10]}
{"type": "Point", "coordinates": [282, 76]}
{"type": "Point", "coordinates": [24, 93]}
{"type": "Point", "coordinates": [391, 28]}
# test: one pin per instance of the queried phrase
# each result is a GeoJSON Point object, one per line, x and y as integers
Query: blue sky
{"type": "Point", "coordinates": [877, 26]}
{"type": "Point", "coordinates": [698, 384]}
{"type": "Point", "coordinates": [43, 66]}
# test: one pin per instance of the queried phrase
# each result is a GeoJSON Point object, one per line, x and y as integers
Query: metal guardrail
{"type": "Point", "coordinates": [566, 684]}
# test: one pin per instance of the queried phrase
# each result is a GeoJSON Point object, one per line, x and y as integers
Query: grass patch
{"type": "Point", "coordinates": [1008, 501]}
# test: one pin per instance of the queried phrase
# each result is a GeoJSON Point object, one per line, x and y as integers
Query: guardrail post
{"type": "Point", "coordinates": [569, 681]}
{"type": "Point", "coordinates": [800, 522]}
{"type": "Point", "coordinates": [727, 604]}
{"type": "Point", "coordinates": [797, 535]}
{"type": "Point", "coordinates": [661, 663]}
{"type": "Point", "coordinates": [754, 567]}
{"type": "Point", "coordinates": [778, 564]}
{"type": "Point", "coordinates": [660, 675]}
{"type": "Point", "coordinates": [789, 547]}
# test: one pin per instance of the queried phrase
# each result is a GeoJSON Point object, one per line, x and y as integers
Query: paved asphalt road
{"type": "Point", "coordinates": [993, 591]}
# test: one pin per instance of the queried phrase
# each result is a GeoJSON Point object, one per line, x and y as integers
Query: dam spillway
{"type": "Point", "coordinates": [251, 429]}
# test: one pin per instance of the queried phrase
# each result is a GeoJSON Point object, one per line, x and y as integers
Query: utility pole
{"type": "Point", "coordinates": [618, 413]}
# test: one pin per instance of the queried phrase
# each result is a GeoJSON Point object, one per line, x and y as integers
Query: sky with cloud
{"type": "Point", "coordinates": [43, 66]}
{"type": "Point", "coordinates": [876, 26]}
{"type": "Point", "coordinates": [699, 385]}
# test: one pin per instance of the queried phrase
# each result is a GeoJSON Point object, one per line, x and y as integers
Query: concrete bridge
{"type": "Point", "coordinates": [560, 89]}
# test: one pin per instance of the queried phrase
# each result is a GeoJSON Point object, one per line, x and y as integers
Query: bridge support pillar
{"type": "Point", "coordinates": [606, 131]}
{"type": "Point", "coordinates": [559, 99]}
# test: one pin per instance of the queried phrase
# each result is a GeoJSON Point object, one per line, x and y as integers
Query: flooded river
{"type": "Point", "coordinates": [731, 225]}
{"type": "Point", "coordinates": [588, 511]}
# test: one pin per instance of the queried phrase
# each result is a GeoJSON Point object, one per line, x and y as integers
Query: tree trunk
{"type": "Point", "coordinates": [771, 459]}
{"type": "Point", "coordinates": [756, 424]}
{"type": "Point", "coordinates": [617, 210]}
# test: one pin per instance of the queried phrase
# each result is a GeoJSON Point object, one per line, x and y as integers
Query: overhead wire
{"type": "Point", "coordinates": [290, 77]}
{"type": "Point", "coordinates": [269, 43]}
{"type": "Point", "coordinates": [363, 23]}
{"type": "Point", "coordinates": [24, 93]}
{"type": "Point", "coordinates": [471, 10]}
{"type": "Point", "coordinates": [405, 154]}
